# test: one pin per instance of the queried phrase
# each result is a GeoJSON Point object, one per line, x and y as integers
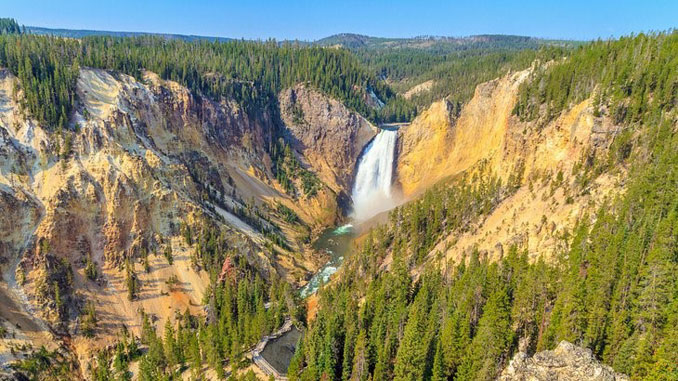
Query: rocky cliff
{"type": "Point", "coordinates": [565, 363]}
{"type": "Point", "coordinates": [445, 140]}
{"type": "Point", "coordinates": [142, 160]}
{"type": "Point", "coordinates": [545, 163]}
{"type": "Point", "coordinates": [329, 135]}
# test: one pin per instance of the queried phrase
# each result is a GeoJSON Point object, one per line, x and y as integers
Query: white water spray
{"type": "Point", "coordinates": [372, 187]}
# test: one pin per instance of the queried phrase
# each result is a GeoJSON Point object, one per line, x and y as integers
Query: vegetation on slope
{"type": "Point", "coordinates": [241, 307]}
{"type": "Point", "coordinates": [612, 289]}
{"type": "Point", "coordinates": [456, 76]}
{"type": "Point", "coordinates": [634, 75]}
{"type": "Point", "coordinates": [237, 319]}
{"type": "Point", "coordinates": [455, 65]}
{"type": "Point", "coordinates": [252, 73]}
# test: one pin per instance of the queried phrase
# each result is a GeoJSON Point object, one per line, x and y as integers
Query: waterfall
{"type": "Point", "coordinates": [372, 187]}
{"type": "Point", "coordinates": [371, 195]}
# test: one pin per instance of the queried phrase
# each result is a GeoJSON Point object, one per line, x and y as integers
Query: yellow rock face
{"type": "Point", "coordinates": [147, 156]}
{"type": "Point", "coordinates": [423, 147]}
{"type": "Point", "coordinates": [438, 144]}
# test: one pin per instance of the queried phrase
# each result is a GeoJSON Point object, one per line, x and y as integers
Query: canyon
{"type": "Point", "coordinates": [149, 160]}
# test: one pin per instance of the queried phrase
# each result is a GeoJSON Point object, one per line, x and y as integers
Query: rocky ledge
{"type": "Point", "coordinates": [566, 362]}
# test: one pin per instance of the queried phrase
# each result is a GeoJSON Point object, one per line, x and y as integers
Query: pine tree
{"type": "Point", "coordinates": [171, 347]}
{"type": "Point", "coordinates": [89, 320]}
{"type": "Point", "coordinates": [145, 260]}
{"type": "Point", "coordinates": [491, 344]}
{"type": "Point", "coordinates": [148, 334]}
{"type": "Point", "coordinates": [90, 268]}
{"type": "Point", "coordinates": [168, 253]}
{"type": "Point", "coordinates": [121, 363]}
{"type": "Point", "coordinates": [131, 280]}
{"type": "Point", "coordinates": [360, 366]}
{"type": "Point", "coordinates": [297, 362]}
{"type": "Point", "coordinates": [194, 356]}
{"type": "Point", "coordinates": [102, 370]}
{"type": "Point", "coordinates": [413, 350]}
{"type": "Point", "coordinates": [57, 300]}
{"type": "Point", "coordinates": [439, 373]}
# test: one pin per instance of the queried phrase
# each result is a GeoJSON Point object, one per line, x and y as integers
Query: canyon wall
{"type": "Point", "coordinates": [445, 141]}
{"type": "Point", "coordinates": [142, 159]}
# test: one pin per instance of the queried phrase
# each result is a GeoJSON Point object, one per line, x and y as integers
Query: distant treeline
{"type": "Point", "coordinates": [252, 73]}
{"type": "Point", "coordinates": [454, 65]}
{"type": "Point", "coordinates": [9, 26]}
{"type": "Point", "coordinates": [80, 33]}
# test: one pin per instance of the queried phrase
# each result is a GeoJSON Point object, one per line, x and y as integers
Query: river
{"type": "Point", "coordinates": [335, 242]}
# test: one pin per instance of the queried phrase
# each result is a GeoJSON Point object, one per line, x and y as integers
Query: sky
{"type": "Point", "coordinates": [310, 20]}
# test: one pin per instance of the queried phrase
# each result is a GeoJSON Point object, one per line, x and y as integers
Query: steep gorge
{"type": "Point", "coordinates": [147, 161]}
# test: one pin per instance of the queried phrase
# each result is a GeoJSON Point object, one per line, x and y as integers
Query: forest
{"type": "Point", "coordinates": [454, 65]}
{"type": "Point", "coordinates": [631, 77]}
{"type": "Point", "coordinates": [252, 73]}
{"type": "Point", "coordinates": [612, 290]}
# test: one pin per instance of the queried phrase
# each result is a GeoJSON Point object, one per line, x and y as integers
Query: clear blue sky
{"type": "Point", "coordinates": [307, 20]}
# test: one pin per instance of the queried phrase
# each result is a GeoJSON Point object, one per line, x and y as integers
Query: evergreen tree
{"type": "Point", "coordinates": [90, 268]}
{"type": "Point", "coordinates": [439, 373]}
{"type": "Point", "coordinates": [131, 280]}
{"type": "Point", "coordinates": [168, 253]}
{"type": "Point", "coordinates": [360, 371]}
{"type": "Point", "coordinates": [88, 323]}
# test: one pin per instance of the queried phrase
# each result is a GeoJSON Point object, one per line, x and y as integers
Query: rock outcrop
{"type": "Point", "coordinates": [567, 362]}
{"type": "Point", "coordinates": [419, 89]}
{"type": "Point", "coordinates": [329, 135]}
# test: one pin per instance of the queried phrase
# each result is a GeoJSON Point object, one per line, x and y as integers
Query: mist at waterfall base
{"type": "Point", "coordinates": [372, 194]}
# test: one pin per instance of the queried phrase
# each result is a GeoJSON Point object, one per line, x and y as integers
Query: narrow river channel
{"type": "Point", "coordinates": [335, 242]}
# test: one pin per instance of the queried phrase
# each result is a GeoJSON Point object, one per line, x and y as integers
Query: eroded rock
{"type": "Point", "coordinates": [567, 362]}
